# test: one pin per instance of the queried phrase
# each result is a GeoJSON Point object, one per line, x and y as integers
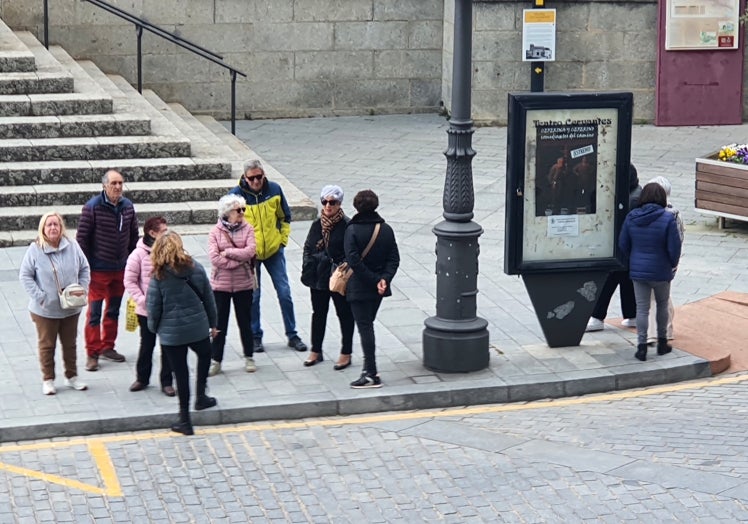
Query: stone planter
{"type": "Point", "coordinates": [721, 189]}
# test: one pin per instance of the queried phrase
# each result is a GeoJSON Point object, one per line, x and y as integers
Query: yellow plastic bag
{"type": "Point", "coordinates": [131, 318]}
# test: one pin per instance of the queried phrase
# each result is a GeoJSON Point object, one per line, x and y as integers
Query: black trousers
{"type": "Point", "coordinates": [177, 356]}
{"type": "Point", "coordinates": [320, 307]}
{"type": "Point", "coordinates": [364, 312]}
{"type": "Point", "coordinates": [628, 301]}
{"type": "Point", "coordinates": [242, 312]}
{"type": "Point", "coordinates": [144, 365]}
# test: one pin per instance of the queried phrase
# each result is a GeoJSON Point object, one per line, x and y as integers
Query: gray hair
{"type": "Point", "coordinates": [252, 164]}
{"type": "Point", "coordinates": [105, 177]}
{"type": "Point", "coordinates": [336, 192]}
{"type": "Point", "coordinates": [664, 182]}
{"type": "Point", "coordinates": [229, 202]}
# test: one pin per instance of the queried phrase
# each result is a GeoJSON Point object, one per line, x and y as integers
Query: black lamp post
{"type": "Point", "coordinates": [456, 340]}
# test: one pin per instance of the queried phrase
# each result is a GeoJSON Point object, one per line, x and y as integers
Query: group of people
{"type": "Point", "coordinates": [651, 239]}
{"type": "Point", "coordinates": [178, 303]}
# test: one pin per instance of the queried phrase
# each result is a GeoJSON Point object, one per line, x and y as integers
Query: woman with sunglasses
{"type": "Point", "coordinates": [324, 250]}
{"type": "Point", "coordinates": [231, 247]}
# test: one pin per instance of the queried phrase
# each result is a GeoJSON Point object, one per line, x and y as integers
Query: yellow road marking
{"type": "Point", "coordinates": [106, 468]}
{"type": "Point", "coordinates": [97, 445]}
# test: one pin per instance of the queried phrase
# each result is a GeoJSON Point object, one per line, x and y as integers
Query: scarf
{"type": "Point", "coordinates": [327, 224]}
{"type": "Point", "coordinates": [228, 225]}
{"type": "Point", "coordinates": [148, 240]}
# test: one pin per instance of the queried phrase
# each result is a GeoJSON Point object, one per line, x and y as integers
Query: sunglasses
{"type": "Point", "coordinates": [330, 202]}
{"type": "Point", "coordinates": [240, 210]}
{"type": "Point", "coordinates": [254, 178]}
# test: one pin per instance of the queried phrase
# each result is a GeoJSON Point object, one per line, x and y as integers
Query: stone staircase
{"type": "Point", "coordinates": [64, 123]}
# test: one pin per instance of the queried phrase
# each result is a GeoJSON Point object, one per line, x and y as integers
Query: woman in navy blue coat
{"type": "Point", "coordinates": [650, 240]}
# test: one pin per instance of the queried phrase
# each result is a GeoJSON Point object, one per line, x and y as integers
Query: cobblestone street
{"type": "Point", "coordinates": [666, 454]}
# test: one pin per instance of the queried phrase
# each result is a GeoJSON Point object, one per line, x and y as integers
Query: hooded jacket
{"type": "Point", "coordinates": [269, 214]}
{"type": "Point", "coordinates": [649, 238]}
{"type": "Point", "coordinates": [232, 272]}
{"type": "Point", "coordinates": [175, 312]}
{"type": "Point", "coordinates": [38, 278]}
{"type": "Point", "coordinates": [138, 275]}
{"type": "Point", "coordinates": [381, 262]}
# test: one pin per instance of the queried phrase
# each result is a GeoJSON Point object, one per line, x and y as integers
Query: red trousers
{"type": "Point", "coordinates": [101, 333]}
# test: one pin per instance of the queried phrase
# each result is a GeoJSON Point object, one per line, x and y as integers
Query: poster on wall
{"type": "Point", "coordinates": [567, 180]}
{"type": "Point", "coordinates": [702, 24]}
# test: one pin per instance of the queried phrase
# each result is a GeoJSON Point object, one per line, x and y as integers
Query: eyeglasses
{"type": "Point", "coordinates": [240, 210]}
{"type": "Point", "coordinates": [330, 202]}
{"type": "Point", "coordinates": [254, 178]}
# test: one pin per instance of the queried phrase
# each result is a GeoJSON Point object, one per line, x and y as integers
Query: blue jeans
{"type": "Point", "coordinates": [276, 268]}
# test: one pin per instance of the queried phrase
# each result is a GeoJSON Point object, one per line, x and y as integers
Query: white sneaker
{"type": "Point", "coordinates": [74, 383]}
{"type": "Point", "coordinates": [215, 368]}
{"type": "Point", "coordinates": [628, 322]}
{"type": "Point", "coordinates": [595, 324]}
{"type": "Point", "coordinates": [249, 365]}
{"type": "Point", "coordinates": [48, 387]}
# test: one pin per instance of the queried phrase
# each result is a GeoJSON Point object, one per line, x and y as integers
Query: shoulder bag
{"type": "Point", "coordinates": [73, 296]}
{"type": "Point", "coordinates": [342, 273]}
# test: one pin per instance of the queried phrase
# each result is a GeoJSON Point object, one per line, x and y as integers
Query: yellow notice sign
{"type": "Point", "coordinates": [540, 16]}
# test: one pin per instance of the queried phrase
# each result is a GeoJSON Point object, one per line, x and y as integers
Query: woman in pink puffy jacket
{"type": "Point", "coordinates": [231, 247]}
{"type": "Point", "coordinates": [137, 278]}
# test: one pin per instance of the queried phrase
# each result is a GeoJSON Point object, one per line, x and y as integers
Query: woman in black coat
{"type": "Point", "coordinates": [323, 249]}
{"type": "Point", "coordinates": [371, 277]}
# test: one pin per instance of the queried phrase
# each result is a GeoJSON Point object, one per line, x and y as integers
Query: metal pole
{"type": "Point", "coordinates": [46, 24]}
{"type": "Point", "coordinates": [233, 102]}
{"type": "Point", "coordinates": [537, 69]}
{"type": "Point", "coordinates": [456, 340]}
{"type": "Point", "coordinates": [140, 59]}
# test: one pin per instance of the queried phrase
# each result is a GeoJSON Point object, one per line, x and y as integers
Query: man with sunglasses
{"type": "Point", "coordinates": [268, 212]}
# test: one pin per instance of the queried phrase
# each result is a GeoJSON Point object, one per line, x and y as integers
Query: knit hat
{"type": "Point", "coordinates": [333, 192]}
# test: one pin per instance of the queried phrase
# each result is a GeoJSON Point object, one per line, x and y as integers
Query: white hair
{"type": "Point", "coordinates": [229, 202]}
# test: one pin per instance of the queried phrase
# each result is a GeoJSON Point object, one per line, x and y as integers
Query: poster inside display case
{"type": "Point", "coordinates": [702, 24]}
{"type": "Point", "coordinates": [567, 180]}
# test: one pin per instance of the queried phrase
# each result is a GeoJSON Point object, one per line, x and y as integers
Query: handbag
{"type": "Point", "coordinates": [73, 296]}
{"type": "Point", "coordinates": [249, 265]}
{"type": "Point", "coordinates": [342, 273]}
{"type": "Point", "coordinates": [131, 317]}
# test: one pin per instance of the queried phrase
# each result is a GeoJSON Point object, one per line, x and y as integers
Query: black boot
{"type": "Point", "coordinates": [205, 402]}
{"type": "Point", "coordinates": [184, 426]}
{"type": "Point", "coordinates": [663, 348]}
{"type": "Point", "coordinates": [641, 352]}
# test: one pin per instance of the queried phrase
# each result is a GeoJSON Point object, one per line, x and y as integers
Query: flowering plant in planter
{"type": "Point", "coordinates": [735, 153]}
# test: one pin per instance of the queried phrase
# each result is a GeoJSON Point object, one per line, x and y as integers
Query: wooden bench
{"type": "Point", "coordinates": [721, 189]}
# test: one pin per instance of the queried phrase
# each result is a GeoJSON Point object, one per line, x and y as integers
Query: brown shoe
{"type": "Point", "coordinates": [138, 386]}
{"type": "Point", "coordinates": [169, 391]}
{"type": "Point", "coordinates": [92, 363]}
{"type": "Point", "coordinates": [111, 354]}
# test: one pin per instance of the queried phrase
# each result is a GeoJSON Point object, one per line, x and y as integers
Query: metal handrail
{"type": "Point", "coordinates": [140, 26]}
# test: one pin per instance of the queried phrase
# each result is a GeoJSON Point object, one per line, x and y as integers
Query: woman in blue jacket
{"type": "Point", "coordinates": [650, 240]}
{"type": "Point", "coordinates": [182, 311]}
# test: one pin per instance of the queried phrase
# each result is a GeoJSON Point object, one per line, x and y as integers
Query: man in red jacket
{"type": "Point", "coordinates": [107, 233]}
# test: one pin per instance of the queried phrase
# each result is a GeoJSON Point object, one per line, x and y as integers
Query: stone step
{"type": "Point", "coordinates": [86, 98]}
{"type": "Point", "coordinates": [68, 126]}
{"type": "Point", "coordinates": [184, 212]}
{"type": "Point", "coordinates": [93, 148]}
{"type": "Point", "coordinates": [135, 170]}
{"type": "Point", "coordinates": [54, 195]}
{"type": "Point", "coordinates": [27, 83]}
{"type": "Point", "coordinates": [126, 98]}
{"type": "Point", "coordinates": [14, 55]}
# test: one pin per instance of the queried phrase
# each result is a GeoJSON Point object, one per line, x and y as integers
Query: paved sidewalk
{"type": "Point", "coordinates": [401, 158]}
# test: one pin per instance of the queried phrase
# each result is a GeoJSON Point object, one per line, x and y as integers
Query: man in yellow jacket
{"type": "Point", "coordinates": [268, 212]}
